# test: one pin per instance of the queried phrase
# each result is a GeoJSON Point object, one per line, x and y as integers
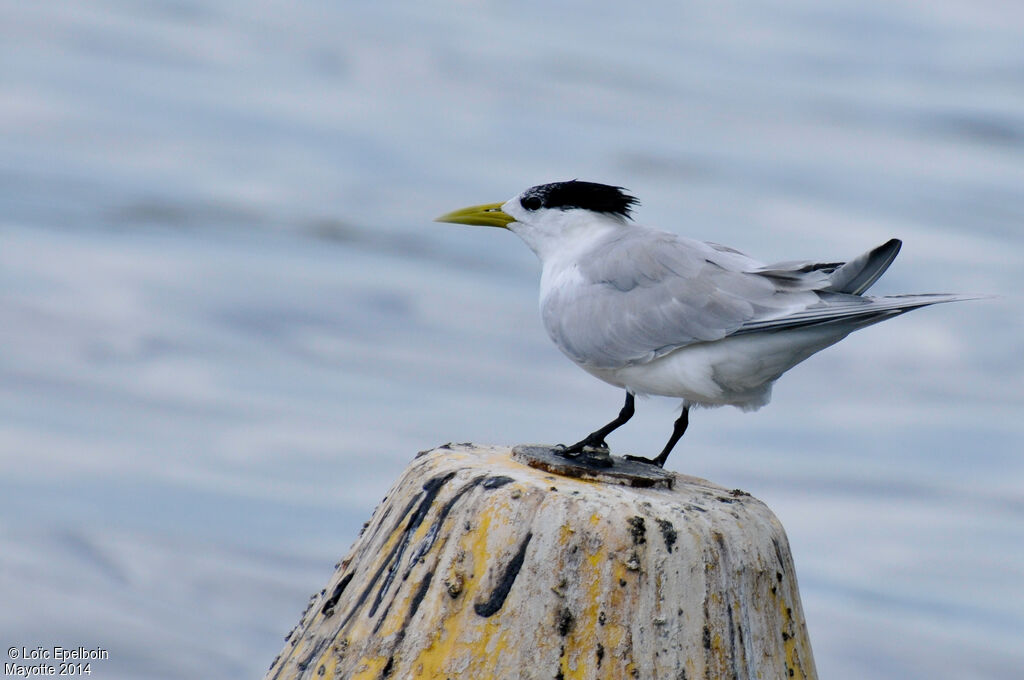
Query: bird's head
{"type": "Point", "coordinates": [552, 214]}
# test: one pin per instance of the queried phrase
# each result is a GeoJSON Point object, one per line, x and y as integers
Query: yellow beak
{"type": "Point", "coordinates": [489, 215]}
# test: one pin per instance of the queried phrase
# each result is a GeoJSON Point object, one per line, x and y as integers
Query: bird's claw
{"type": "Point", "coordinates": [648, 461]}
{"type": "Point", "coordinates": [576, 449]}
{"type": "Point", "coordinates": [597, 455]}
{"type": "Point", "coordinates": [567, 451]}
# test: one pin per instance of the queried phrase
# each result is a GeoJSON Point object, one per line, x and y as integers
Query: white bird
{"type": "Point", "coordinates": [659, 314]}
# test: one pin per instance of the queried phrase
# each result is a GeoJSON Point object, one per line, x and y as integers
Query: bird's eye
{"type": "Point", "coordinates": [531, 202]}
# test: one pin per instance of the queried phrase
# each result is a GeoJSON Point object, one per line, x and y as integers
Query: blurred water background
{"type": "Point", "coordinates": [227, 321]}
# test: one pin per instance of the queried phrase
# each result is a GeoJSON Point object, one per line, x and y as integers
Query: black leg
{"type": "Point", "coordinates": [596, 439]}
{"type": "Point", "coordinates": [677, 432]}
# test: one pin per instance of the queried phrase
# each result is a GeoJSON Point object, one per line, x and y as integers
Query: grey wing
{"type": "Point", "coordinates": [647, 293]}
{"type": "Point", "coordinates": [853, 277]}
{"type": "Point", "coordinates": [838, 286]}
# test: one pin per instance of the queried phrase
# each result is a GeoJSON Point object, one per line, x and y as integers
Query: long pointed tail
{"type": "Point", "coordinates": [855, 311]}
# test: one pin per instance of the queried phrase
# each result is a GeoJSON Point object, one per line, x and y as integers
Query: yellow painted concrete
{"type": "Point", "coordinates": [595, 597]}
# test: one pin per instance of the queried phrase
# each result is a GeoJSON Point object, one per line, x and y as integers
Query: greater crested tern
{"type": "Point", "coordinates": [655, 313]}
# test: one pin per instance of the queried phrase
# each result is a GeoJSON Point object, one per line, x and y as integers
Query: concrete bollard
{"type": "Point", "coordinates": [481, 563]}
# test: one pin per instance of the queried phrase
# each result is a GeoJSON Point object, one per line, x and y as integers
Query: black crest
{"type": "Point", "coordinates": [575, 194]}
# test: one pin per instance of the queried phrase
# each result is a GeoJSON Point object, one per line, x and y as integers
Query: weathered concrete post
{"type": "Point", "coordinates": [481, 563]}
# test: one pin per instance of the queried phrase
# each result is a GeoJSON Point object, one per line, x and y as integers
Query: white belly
{"type": "Point", "coordinates": [737, 371]}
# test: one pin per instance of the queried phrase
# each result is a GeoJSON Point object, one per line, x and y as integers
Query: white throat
{"type": "Point", "coordinates": [561, 236]}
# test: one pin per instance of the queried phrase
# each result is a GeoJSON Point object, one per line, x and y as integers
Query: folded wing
{"type": "Point", "coordinates": [647, 293]}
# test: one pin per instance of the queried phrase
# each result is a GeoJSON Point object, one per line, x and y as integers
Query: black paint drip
{"type": "Point", "coordinates": [328, 607]}
{"type": "Point", "coordinates": [497, 598]}
{"type": "Point", "coordinates": [431, 489]}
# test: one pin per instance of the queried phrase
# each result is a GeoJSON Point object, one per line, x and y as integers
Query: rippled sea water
{"type": "Point", "coordinates": [227, 321]}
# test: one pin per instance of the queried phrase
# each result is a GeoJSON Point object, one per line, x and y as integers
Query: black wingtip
{"type": "Point", "coordinates": [894, 243]}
